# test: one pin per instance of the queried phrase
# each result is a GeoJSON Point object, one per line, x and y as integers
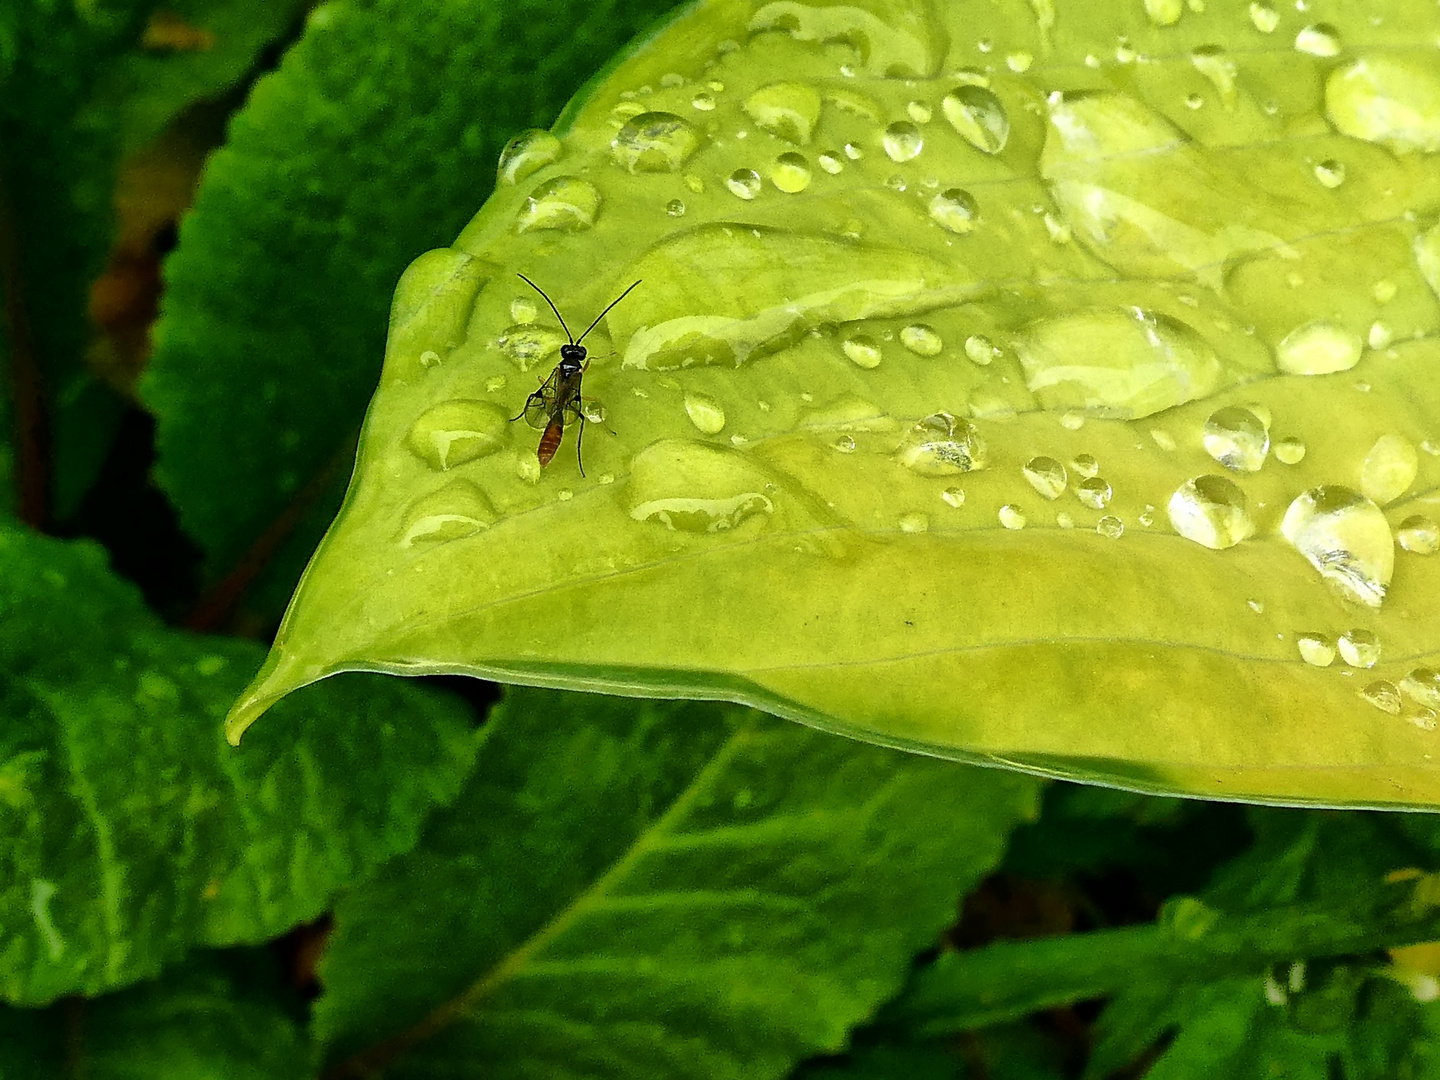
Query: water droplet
{"type": "Point", "coordinates": [455, 432]}
{"type": "Point", "coordinates": [1110, 526]}
{"type": "Point", "coordinates": [941, 445]}
{"type": "Point", "coordinates": [704, 101]}
{"type": "Point", "coordinates": [705, 413]}
{"type": "Point", "coordinates": [1318, 39]}
{"type": "Point", "coordinates": [1064, 520]}
{"type": "Point", "coordinates": [915, 522]}
{"type": "Point", "coordinates": [862, 349]}
{"type": "Point", "coordinates": [1422, 686]}
{"type": "Point", "coordinates": [526, 154]}
{"type": "Point", "coordinates": [654, 142]}
{"type": "Point", "coordinates": [1384, 695]}
{"type": "Point", "coordinates": [495, 383]}
{"type": "Point", "coordinates": [1194, 101]}
{"type": "Point", "coordinates": [1380, 335]}
{"type": "Point", "coordinates": [1419, 535]}
{"type": "Point", "coordinates": [529, 344]}
{"type": "Point", "coordinates": [1011, 516]}
{"type": "Point", "coordinates": [854, 151]}
{"type": "Point", "coordinates": [787, 110]}
{"type": "Point", "coordinates": [845, 444]}
{"type": "Point", "coordinates": [1072, 420]}
{"type": "Point", "coordinates": [922, 340]}
{"type": "Point", "coordinates": [523, 310]}
{"type": "Point", "coordinates": [980, 349]}
{"type": "Point", "coordinates": [564, 494]}
{"type": "Point", "coordinates": [696, 487]}
{"type": "Point", "coordinates": [1330, 173]}
{"type": "Point", "coordinates": [457, 510]}
{"type": "Point", "coordinates": [1094, 492]}
{"type": "Point", "coordinates": [1211, 511]}
{"type": "Point", "coordinates": [954, 209]}
{"type": "Point", "coordinates": [1359, 648]}
{"type": "Point", "coordinates": [1264, 16]}
{"type": "Point", "coordinates": [675, 208]}
{"type": "Point", "coordinates": [1390, 100]}
{"type": "Point", "coordinates": [790, 173]}
{"type": "Point", "coordinates": [1164, 12]}
{"type": "Point", "coordinates": [1316, 649]}
{"type": "Point", "coordinates": [918, 111]}
{"type": "Point", "coordinates": [1236, 438]}
{"type": "Point", "coordinates": [1085, 464]}
{"type": "Point", "coordinates": [1389, 469]}
{"type": "Point", "coordinates": [902, 141]}
{"type": "Point", "coordinates": [954, 496]}
{"type": "Point", "coordinates": [1427, 257]}
{"type": "Point", "coordinates": [1119, 363]}
{"type": "Point", "coordinates": [744, 183]}
{"type": "Point", "coordinates": [1346, 537]}
{"type": "Point", "coordinates": [979, 117]}
{"type": "Point", "coordinates": [1289, 450]}
{"type": "Point", "coordinates": [830, 162]}
{"type": "Point", "coordinates": [565, 204]}
{"type": "Point", "coordinates": [1384, 291]}
{"type": "Point", "coordinates": [430, 359]}
{"type": "Point", "coordinates": [1318, 348]}
{"type": "Point", "coordinates": [1211, 62]}
{"type": "Point", "coordinates": [1046, 476]}
{"type": "Point", "coordinates": [1019, 62]}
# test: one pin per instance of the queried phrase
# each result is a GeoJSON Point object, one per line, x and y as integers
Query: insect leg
{"type": "Point", "coordinates": [580, 434]}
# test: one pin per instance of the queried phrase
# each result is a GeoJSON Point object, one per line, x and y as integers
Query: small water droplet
{"type": "Point", "coordinates": [1289, 450]}
{"type": "Point", "coordinates": [1019, 62]}
{"type": "Point", "coordinates": [1384, 695]}
{"type": "Point", "coordinates": [1194, 101]}
{"type": "Point", "coordinates": [1390, 100]}
{"type": "Point", "coordinates": [527, 153]}
{"type": "Point", "coordinates": [1162, 438]}
{"type": "Point", "coordinates": [703, 101]}
{"type": "Point", "coordinates": [854, 151]}
{"type": "Point", "coordinates": [1422, 685]}
{"type": "Point", "coordinates": [954, 209]}
{"type": "Point", "coordinates": [675, 208]}
{"type": "Point", "coordinates": [1389, 470]}
{"type": "Point", "coordinates": [1211, 62]}
{"type": "Point", "coordinates": [862, 349]}
{"type": "Point", "coordinates": [1094, 492]}
{"type": "Point", "coordinates": [830, 162]}
{"type": "Point", "coordinates": [1236, 438]}
{"type": "Point", "coordinates": [1085, 464]}
{"type": "Point", "coordinates": [844, 443]}
{"type": "Point", "coordinates": [705, 413]}
{"type": "Point", "coordinates": [1110, 526]}
{"type": "Point", "coordinates": [654, 142]}
{"type": "Point", "coordinates": [1264, 16]}
{"type": "Point", "coordinates": [523, 310]}
{"type": "Point", "coordinates": [790, 173]}
{"type": "Point", "coordinates": [528, 344]}
{"type": "Point", "coordinates": [1359, 648]}
{"type": "Point", "coordinates": [1316, 649]}
{"type": "Point", "coordinates": [954, 496]}
{"type": "Point", "coordinates": [1419, 535]}
{"type": "Point", "coordinates": [1346, 537]}
{"type": "Point", "coordinates": [902, 141]}
{"type": "Point", "coordinates": [941, 445]}
{"type": "Point", "coordinates": [978, 116]}
{"type": "Point", "coordinates": [1380, 335]}
{"type": "Point", "coordinates": [787, 110]}
{"type": "Point", "coordinates": [1072, 420]}
{"type": "Point", "coordinates": [918, 111]}
{"type": "Point", "coordinates": [915, 522]}
{"type": "Point", "coordinates": [1011, 516]}
{"type": "Point", "coordinates": [495, 383]}
{"type": "Point", "coordinates": [1164, 12]}
{"type": "Point", "coordinates": [564, 494]}
{"type": "Point", "coordinates": [744, 183]}
{"type": "Point", "coordinates": [1211, 511]}
{"type": "Point", "coordinates": [593, 410]}
{"type": "Point", "coordinates": [922, 340]}
{"type": "Point", "coordinates": [454, 432]}
{"type": "Point", "coordinates": [1318, 348]}
{"type": "Point", "coordinates": [457, 510]}
{"type": "Point", "coordinates": [1064, 520]}
{"type": "Point", "coordinates": [564, 204]}
{"type": "Point", "coordinates": [1318, 39]}
{"type": "Point", "coordinates": [430, 359]}
{"type": "Point", "coordinates": [980, 349]}
{"type": "Point", "coordinates": [1046, 476]}
{"type": "Point", "coordinates": [1330, 173]}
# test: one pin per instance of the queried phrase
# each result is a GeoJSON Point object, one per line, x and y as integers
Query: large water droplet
{"type": "Point", "coordinates": [525, 154]}
{"type": "Point", "coordinates": [695, 487]}
{"type": "Point", "coordinates": [455, 432]}
{"type": "Point", "coordinates": [922, 340]}
{"type": "Point", "coordinates": [786, 110]}
{"type": "Point", "coordinates": [1419, 535]}
{"type": "Point", "coordinates": [790, 173]}
{"type": "Point", "coordinates": [1384, 695]}
{"type": "Point", "coordinates": [1236, 438]}
{"type": "Point", "coordinates": [862, 349]}
{"type": "Point", "coordinates": [1094, 492]}
{"type": "Point", "coordinates": [529, 344]}
{"type": "Point", "coordinates": [1318, 39]}
{"type": "Point", "coordinates": [1359, 648]}
{"type": "Point", "coordinates": [1346, 537]}
{"type": "Point", "coordinates": [457, 510]}
{"type": "Point", "coordinates": [886, 42]}
{"type": "Point", "coordinates": [902, 141]}
{"type": "Point", "coordinates": [565, 204]}
{"type": "Point", "coordinates": [1389, 469]}
{"type": "Point", "coordinates": [1316, 649]}
{"type": "Point", "coordinates": [744, 183]}
{"type": "Point", "coordinates": [1164, 12]}
{"type": "Point", "coordinates": [1318, 348]}
{"type": "Point", "coordinates": [954, 209]}
{"type": "Point", "coordinates": [1264, 16]}
{"type": "Point", "coordinates": [979, 116]}
{"type": "Point", "coordinates": [705, 413]}
{"type": "Point", "coordinates": [1211, 511]}
{"type": "Point", "coordinates": [941, 445]}
{"type": "Point", "coordinates": [1046, 476]}
{"type": "Point", "coordinates": [1390, 100]}
{"type": "Point", "coordinates": [654, 142]}
{"type": "Point", "coordinates": [1123, 363]}
{"type": "Point", "coordinates": [1422, 685]}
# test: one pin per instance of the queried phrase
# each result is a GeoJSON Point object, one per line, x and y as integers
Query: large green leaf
{"type": "Point", "coordinates": [943, 416]}
{"type": "Point", "coordinates": [129, 831]}
{"type": "Point", "coordinates": [639, 889]}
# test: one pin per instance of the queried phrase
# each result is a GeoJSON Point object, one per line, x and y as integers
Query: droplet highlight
{"type": "Point", "coordinates": [1236, 438]}
{"type": "Point", "coordinates": [1212, 511]}
{"type": "Point", "coordinates": [1346, 538]}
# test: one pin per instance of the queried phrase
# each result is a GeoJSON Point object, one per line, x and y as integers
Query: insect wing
{"type": "Point", "coordinates": [541, 404]}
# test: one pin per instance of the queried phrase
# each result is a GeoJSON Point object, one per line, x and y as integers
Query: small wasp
{"type": "Point", "coordinates": [558, 400]}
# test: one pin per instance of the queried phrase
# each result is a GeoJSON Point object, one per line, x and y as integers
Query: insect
{"type": "Point", "coordinates": [558, 400]}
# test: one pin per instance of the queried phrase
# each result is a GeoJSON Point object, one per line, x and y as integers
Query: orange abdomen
{"type": "Point", "coordinates": [550, 441]}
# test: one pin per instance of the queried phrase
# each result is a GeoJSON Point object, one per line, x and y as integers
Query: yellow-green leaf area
{"type": "Point", "coordinates": [1051, 386]}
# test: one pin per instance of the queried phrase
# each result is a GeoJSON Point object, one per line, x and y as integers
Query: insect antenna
{"type": "Point", "coordinates": [555, 309]}
{"type": "Point", "coordinates": [603, 313]}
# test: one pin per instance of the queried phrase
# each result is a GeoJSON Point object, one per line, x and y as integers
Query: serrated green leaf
{"type": "Point", "coordinates": [129, 832]}
{"type": "Point", "coordinates": [371, 143]}
{"type": "Point", "coordinates": [641, 889]}
{"type": "Point", "coordinates": [1153, 245]}
{"type": "Point", "coordinates": [214, 1018]}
